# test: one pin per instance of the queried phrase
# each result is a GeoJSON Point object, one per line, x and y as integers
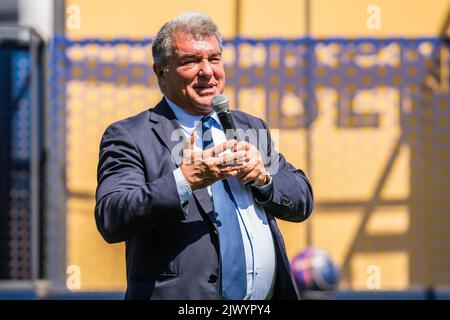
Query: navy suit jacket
{"type": "Point", "coordinates": [172, 252]}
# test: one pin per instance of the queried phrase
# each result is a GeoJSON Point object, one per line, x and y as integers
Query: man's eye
{"type": "Point", "coordinates": [215, 59]}
{"type": "Point", "coordinates": [187, 62]}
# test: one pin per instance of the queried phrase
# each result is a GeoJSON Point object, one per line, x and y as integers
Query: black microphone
{"type": "Point", "coordinates": [221, 105]}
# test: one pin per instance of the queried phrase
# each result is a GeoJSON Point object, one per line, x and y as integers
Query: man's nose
{"type": "Point", "coordinates": [205, 68]}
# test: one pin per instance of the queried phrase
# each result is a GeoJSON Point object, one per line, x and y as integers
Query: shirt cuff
{"type": "Point", "coordinates": [184, 191]}
{"type": "Point", "coordinates": [267, 188]}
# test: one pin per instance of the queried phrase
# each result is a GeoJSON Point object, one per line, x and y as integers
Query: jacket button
{"type": "Point", "coordinates": [212, 278]}
{"type": "Point", "coordinates": [286, 202]}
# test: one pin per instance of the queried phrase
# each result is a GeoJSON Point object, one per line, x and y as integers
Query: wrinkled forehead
{"type": "Point", "coordinates": [183, 43]}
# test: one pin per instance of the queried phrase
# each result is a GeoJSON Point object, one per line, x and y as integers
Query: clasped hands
{"type": "Point", "coordinates": [203, 168]}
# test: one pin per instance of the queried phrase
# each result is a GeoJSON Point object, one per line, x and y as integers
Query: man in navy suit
{"type": "Point", "coordinates": [200, 225]}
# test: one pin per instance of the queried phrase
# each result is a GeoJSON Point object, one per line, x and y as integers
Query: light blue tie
{"type": "Point", "coordinates": [234, 278]}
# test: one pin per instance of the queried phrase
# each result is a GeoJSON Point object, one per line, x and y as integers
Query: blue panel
{"type": "Point", "coordinates": [15, 123]}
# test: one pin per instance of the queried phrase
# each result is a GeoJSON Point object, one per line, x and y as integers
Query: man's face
{"type": "Point", "coordinates": [196, 73]}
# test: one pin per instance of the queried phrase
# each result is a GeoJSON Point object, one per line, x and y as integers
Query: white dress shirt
{"type": "Point", "coordinates": [257, 237]}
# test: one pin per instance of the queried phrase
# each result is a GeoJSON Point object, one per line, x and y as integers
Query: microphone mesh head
{"type": "Point", "coordinates": [220, 103]}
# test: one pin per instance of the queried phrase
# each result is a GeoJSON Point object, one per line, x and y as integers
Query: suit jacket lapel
{"type": "Point", "coordinates": [206, 203]}
{"type": "Point", "coordinates": [167, 129]}
{"type": "Point", "coordinates": [169, 132]}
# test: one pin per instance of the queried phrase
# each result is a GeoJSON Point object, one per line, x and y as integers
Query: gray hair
{"type": "Point", "coordinates": [197, 25]}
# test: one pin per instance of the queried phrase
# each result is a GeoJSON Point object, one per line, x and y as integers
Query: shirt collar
{"type": "Point", "coordinates": [190, 120]}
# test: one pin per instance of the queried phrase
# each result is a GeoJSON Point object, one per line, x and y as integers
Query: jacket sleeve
{"type": "Point", "coordinates": [291, 197]}
{"type": "Point", "coordinates": [127, 204]}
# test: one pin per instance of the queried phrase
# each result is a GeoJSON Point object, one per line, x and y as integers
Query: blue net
{"type": "Point", "coordinates": [293, 68]}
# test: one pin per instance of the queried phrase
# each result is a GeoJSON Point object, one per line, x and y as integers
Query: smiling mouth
{"type": "Point", "coordinates": [205, 90]}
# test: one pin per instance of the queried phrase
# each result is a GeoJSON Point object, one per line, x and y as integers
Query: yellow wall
{"type": "Point", "coordinates": [334, 229]}
{"type": "Point", "coordinates": [143, 18]}
{"type": "Point", "coordinates": [263, 18]}
{"type": "Point", "coordinates": [400, 18]}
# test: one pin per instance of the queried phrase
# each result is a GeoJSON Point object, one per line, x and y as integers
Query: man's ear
{"type": "Point", "coordinates": [160, 75]}
{"type": "Point", "coordinates": [158, 71]}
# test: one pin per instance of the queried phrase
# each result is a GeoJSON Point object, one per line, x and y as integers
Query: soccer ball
{"type": "Point", "coordinates": [314, 270]}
